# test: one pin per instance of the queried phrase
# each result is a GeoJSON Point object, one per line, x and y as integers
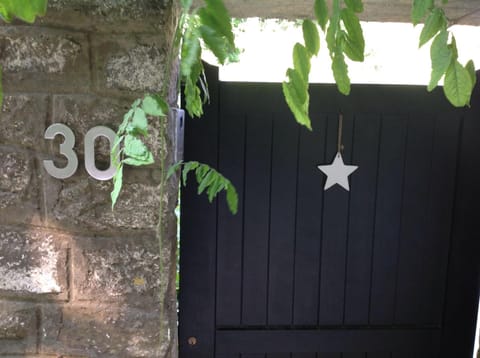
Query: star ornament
{"type": "Point", "coordinates": [337, 173]}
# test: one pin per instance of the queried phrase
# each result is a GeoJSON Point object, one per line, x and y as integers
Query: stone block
{"type": "Point", "coordinates": [125, 16]}
{"type": "Point", "coordinates": [83, 204]}
{"type": "Point", "coordinates": [18, 328]}
{"type": "Point", "coordinates": [133, 64]}
{"type": "Point", "coordinates": [81, 113]}
{"type": "Point", "coordinates": [33, 263]}
{"type": "Point", "coordinates": [117, 269]}
{"type": "Point", "coordinates": [23, 119]}
{"type": "Point", "coordinates": [100, 331]}
{"type": "Point", "coordinates": [19, 190]}
{"type": "Point", "coordinates": [44, 60]}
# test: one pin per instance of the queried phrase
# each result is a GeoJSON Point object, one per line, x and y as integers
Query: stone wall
{"type": "Point", "coordinates": [76, 278]}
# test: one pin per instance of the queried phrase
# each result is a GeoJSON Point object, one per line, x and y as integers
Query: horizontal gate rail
{"type": "Point", "coordinates": [328, 341]}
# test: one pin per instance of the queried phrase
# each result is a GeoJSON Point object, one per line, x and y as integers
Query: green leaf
{"type": "Point", "coordinates": [117, 185]}
{"type": "Point", "coordinates": [154, 105]}
{"type": "Point", "coordinates": [470, 66]}
{"type": "Point", "coordinates": [135, 148]}
{"type": "Point", "coordinates": [193, 99]}
{"type": "Point", "coordinates": [301, 61]}
{"type": "Point", "coordinates": [299, 111]}
{"type": "Point", "coordinates": [321, 13]}
{"type": "Point", "coordinates": [354, 45]}
{"type": "Point", "coordinates": [187, 167]}
{"type": "Point", "coordinates": [436, 22]}
{"type": "Point", "coordinates": [458, 85]}
{"type": "Point", "coordinates": [201, 171]}
{"type": "Point", "coordinates": [215, 15]}
{"type": "Point", "coordinates": [299, 86]}
{"type": "Point", "coordinates": [207, 180]}
{"type": "Point", "coordinates": [232, 199]}
{"type": "Point", "coordinates": [217, 186]}
{"type": "Point", "coordinates": [26, 10]}
{"type": "Point", "coordinates": [126, 121]}
{"type": "Point", "coordinates": [186, 4]}
{"type": "Point", "coordinates": [215, 42]}
{"type": "Point", "coordinates": [340, 73]}
{"type": "Point", "coordinates": [355, 5]}
{"type": "Point", "coordinates": [419, 10]}
{"type": "Point", "coordinates": [441, 56]}
{"type": "Point", "coordinates": [147, 160]}
{"type": "Point", "coordinates": [333, 28]}
{"type": "Point", "coordinates": [173, 168]}
{"type": "Point", "coordinates": [311, 36]}
{"type": "Point", "coordinates": [140, 122]}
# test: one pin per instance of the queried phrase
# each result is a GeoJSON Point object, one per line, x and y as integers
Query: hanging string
{"type": "Point", "coordinates": [340, 130]}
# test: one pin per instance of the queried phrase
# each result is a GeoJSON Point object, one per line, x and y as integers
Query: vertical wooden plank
{"type": "Point", "coordinates": [362, 214]}
{"type": "Point", "coordinates": [334, 233]}
{"type": "Point", "coordinates": [198, 251]}
{"type": "Point", "coordinates": [353, 355]}
{"type": "Point", "coordinates": [435, 245]}
{"type": "Point", "coordinates": [304, 355]}
{"type": "Point", "coordinates": [464, 264]}
{"type": "Point", "coordinates": [387, 219]}
{"type": "Point", "coordinates": [282, 222]}
{"type": "Point", "coordinates": [378, 355]}
{"type": "Point", "coordinates": [414, 214]}
{"type": "Point", "coordinates": [257, 219]}
{"type": "Point", "coordinates": [309, 216]}
{"type": "Point", "coordinates": [230, 227]}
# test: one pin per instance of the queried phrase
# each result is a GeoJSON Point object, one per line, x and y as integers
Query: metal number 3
{"type": "Point", "coordinates": [66, 149]}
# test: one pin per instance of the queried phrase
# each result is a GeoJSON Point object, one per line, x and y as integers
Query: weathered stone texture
{"type": "Point", "coordinates": [27, 132]}
{"type": "Point", "coordinates": [108, 331]}
{"type": "Point", "coordinates": [82, 204]}
{"type": "Point", "coordinates": [18, 322]}
{"type": "Point", "coordinates": [32, 262]}
{"type": "Point", "coordinates": [19, 195]}
{"type": "Point", "coordinates": [125, 63]}
{"type": "Point", "coordinates": [35, 59]}
{"type": "Point", "coordinates": [118, 270]}
{"type": "Point", "coordinates": [105, 16]}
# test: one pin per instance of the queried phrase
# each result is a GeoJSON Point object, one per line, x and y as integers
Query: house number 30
{"type": "Point", "coordinates": [66, 149]}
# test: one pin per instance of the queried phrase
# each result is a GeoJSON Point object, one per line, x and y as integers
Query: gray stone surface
{"type": "Point", "coordinates": [18, 323]}
{"type": "Point", "coordinates": [126, 63]}
{"type": "Point", "coordinates": [124, 269]}
{"type": "Point", "coordinates": [35, 59]}
{"type": "Point", "coordinates": [32, 262]}
{"type": "Point", "coordinates": [23, 119]}
{"type": "Point", "coordinates": [19, 194]}
{"type": "Point", "coordinates": [108, 331]}
{"type": "Point", "coordinates": [104, 16]}
{"type": "Point", "coordinates": [82, 204]}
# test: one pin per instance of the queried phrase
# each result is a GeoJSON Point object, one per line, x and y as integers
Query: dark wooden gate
{"type": "Point", "coordinates": [387, 270]}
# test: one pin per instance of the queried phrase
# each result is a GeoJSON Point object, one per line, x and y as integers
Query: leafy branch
{"type": "Point", "coordinates": [344, 37]}
{"type": "Point", "coordinates": [209, 180]}
{"type": "Point", "coordinates": [459, 80]}
{"type": "Point", "coordinates": [129, 147]}
{"type": "Point", "coordinates": [207, 27]}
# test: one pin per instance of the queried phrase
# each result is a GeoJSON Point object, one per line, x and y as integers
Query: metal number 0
{"type": "Point", "coordinates": [66, 149]}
